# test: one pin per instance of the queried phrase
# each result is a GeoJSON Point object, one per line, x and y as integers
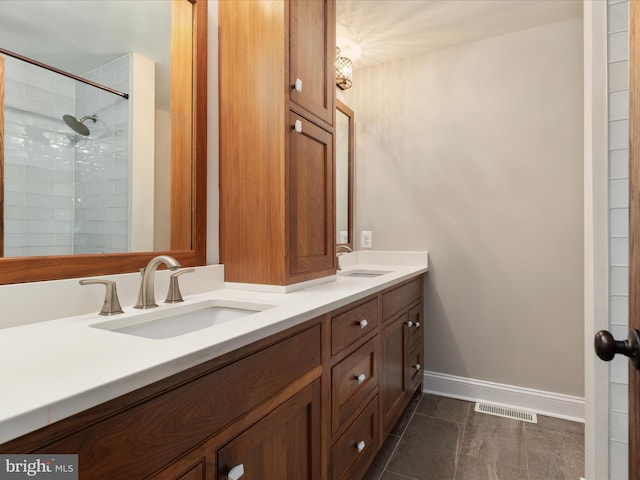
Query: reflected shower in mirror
{"type": "Point", "coordinates": [74, 180]}
{"type": "Point", "coordinates": [344, 133]}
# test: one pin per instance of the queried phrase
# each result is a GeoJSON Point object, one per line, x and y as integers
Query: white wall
{"type": "Point", "coordinates": [475, 153]}
{"type": "Point", "coordinates": [618, 101]}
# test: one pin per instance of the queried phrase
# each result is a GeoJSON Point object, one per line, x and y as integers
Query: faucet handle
{"type": "Point", "coordinates": [111, 305]}
{"type": "Point", "coordinates": [174, 295]}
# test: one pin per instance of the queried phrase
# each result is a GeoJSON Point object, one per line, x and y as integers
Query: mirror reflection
{"type": "Point", "coordinates": [344, 133]}
{"type": "Point", "coordinates": [84, 170]}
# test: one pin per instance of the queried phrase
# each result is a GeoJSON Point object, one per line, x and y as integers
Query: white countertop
{"type": "Point", "coordinates": [51, 370]}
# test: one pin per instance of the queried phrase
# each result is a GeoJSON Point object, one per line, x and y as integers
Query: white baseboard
{"type": "Point", "coordinates": [537, 401]}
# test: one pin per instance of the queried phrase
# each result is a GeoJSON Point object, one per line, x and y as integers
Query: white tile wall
{"type": "Point", "coordinates": [51, 172]}
{"type": "Point", "coordinates": [618, 86]}
{"type": "Point", "coordinates": [102, 166]}
{"type": "Point", "coordinates": [38, 162]}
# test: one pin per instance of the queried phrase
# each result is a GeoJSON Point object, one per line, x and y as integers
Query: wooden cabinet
{"type": "Point", "coordinates": [284, 444]}
{"type": "Point", "coordinates": [312, 403]}
{"type": "Point", "coordinates": [311, 59]}
{"type": "Point", "coordinates": [310, 199]}
{"type": "Point", "coordinates": [277, 97]}
{"type": "Point", "coordinates": [139, 434]}
{"type": "Point", "coordinates": [402, 350]}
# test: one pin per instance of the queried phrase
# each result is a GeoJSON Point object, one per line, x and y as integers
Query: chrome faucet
{"type": "Point", "coordinates": [341, 249]}
{"type": "Point", "coordinates": [147, 295]}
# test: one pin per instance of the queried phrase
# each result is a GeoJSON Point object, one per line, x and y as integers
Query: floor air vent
{"type": "Point", "coordinates": [506, 412]}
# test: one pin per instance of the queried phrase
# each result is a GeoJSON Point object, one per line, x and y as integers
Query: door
{"type": "Point", "coordinates": [606, 347]}
{"type": "Point", "coordinates": [310, 213]}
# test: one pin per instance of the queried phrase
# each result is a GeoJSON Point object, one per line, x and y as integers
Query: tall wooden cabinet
{"type": "Point", "coordinates": [277, 97]}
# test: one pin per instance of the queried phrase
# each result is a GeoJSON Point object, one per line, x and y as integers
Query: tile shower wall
{"type": "Point", "coordinates": [38, 162]}
{"type": "Point", "coordinates": [618, 93]}
{"type": "Point", "coordinates": [102, 163]}
{"type": "Point", "coordinates": [65, 193]}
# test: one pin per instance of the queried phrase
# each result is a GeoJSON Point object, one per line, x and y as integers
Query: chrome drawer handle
{"type": "Point", "coordinates": [297, 126]}
{"type": "Point", "coordinates": [361, 378]}
{"type": "Point", "coordinates": [360, 446]}
{"type": "Point", "coordinates": [409, 324]}
{"type": "Point", "coordinates": [298, 85]}
{"type": "Point", "coordinates": [417, 366]}
{"type": "Point", "coordinates": [236, 472]}
{"type": "Point", "coordinates": [363, 323]}
{"type": "Point", "coordinates": [417, 324]}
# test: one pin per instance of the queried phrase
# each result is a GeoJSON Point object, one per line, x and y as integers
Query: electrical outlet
{"type": "Point", "coordinates": [366, 239]}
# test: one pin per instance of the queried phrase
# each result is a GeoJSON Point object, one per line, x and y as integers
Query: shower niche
{"type": "Point", "coordinates": [69, 163]}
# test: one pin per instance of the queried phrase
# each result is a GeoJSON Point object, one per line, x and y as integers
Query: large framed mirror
{"type": "Point", "coordinates": [94, 183]}
{"type": "Point", "coordinates": [344, 132]}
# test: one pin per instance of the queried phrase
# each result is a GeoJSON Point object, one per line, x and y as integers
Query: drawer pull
{"type": "Point", "coordinates": [417, 366]}
{"type": "Point", "coordinates": [417, 324]}
{"type": "Point", "coordinates": [297, 126]}
{"type": "Point", "coordinates": [409, 324]}
{"type": "Point", "coordinates": [298, 85]}
{"type": "Point", "coordinates": [236, 472]}
{"type": "Point", "coordinates": [363, 323]}
{"type": "Point", "coordinates": [361, 378]}
{"type": "Point", "coordinates": [360, 446]}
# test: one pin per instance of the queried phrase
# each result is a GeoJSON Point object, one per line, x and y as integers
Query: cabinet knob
{"type": "Point", "coordinates": [297, 126]}
{"type": "Point", "coordinates": [298, 85]}
{"type": "Point", "coordinates": [236, 472]}
{"type": "Point", "coordinates": [361, 378]}
{"type": "Point", "coordinates": [363, 323]}
{"type": "Point", "coordinates": [417, 366]}
{"type": "Point", "coordinates": [409, 324]}
{"type": "Point", "coordinates": [360, 445]}
{"type": "Point", "coordinates": [417, 324]}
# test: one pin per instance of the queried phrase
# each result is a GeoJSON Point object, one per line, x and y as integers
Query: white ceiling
{"type": "Point", "coordinates": [376, 31]}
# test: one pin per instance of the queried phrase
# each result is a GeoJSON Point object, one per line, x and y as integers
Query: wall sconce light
{"type": "Point", "coordinates": [344, 71]}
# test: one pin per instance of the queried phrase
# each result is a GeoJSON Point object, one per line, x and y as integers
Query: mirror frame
{"type": "Point", "coordinates": [32, 269]}
{"type": "Point", "coordinates": [340, 106]}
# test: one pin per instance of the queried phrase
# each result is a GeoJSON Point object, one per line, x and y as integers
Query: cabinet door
{"type": "Point", "coordinates": [309, 205]}
{"type": "Point", "coordinates": [393, 378]}
{"type": "Point", "coordinates": [283, 445]}
{"type": "Point", "coordinates": [312, 57]}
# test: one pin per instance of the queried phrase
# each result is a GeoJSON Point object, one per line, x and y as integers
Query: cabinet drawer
{"type": "Point", "coordinates": [415, 325]}
{"type": "Point", "coordinates": [353, 380]}
{"type": "Point", "coordinates": [400, 297]}
{"type": "Point", "coordinates": [415, 367]}
{"type": "Point", "coordinates": [352, 325]}
{"type": "Point", "coordinates": [353, 452]}
{"type": "Point", "coordinates": [190, 413]}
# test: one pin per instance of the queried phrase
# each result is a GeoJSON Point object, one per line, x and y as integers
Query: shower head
{"type": "Point", "coordinates": [78, 126]}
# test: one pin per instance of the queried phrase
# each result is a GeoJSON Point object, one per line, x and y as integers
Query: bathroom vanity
{"type": "Point", "coordinates": [307, 388]}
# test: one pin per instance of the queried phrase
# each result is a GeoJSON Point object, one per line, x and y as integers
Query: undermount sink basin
{"type": "Point", "coordinates": [363, 273]}
{"type": "Point", "coordinates": [159, 324]}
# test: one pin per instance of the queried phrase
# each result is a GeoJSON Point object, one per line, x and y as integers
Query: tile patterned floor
{"type": "Point", "coordinates": [441, 438]}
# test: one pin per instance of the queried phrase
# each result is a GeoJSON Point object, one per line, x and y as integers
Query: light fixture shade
{"type": "Point", "coordinates": [344, 72]}
{"type": "Point", "coordinates": [337, 53]}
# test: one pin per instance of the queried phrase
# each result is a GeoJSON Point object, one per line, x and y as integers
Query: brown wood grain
{"type": "Point", "coordinates": [182, 59]}
{"type": "Point", "coordinates": [252, 140]}
{"type": "Point", "coordinates": [270, 234]}
{"type": "Point", "coordinates": [310, 209]}
{"type": "Point", "coordinates": [399, 297]}
{"type": "Point", "coordinates": [634, 231]}
{"type": "Point", "coordinates": [347, 462]}
{"type": "Point", "coordinates": [31, 269]}
{"type": "Point", "coordinates": [345, 328]}
{"type": "Point", "coordinates": [351, 169]}
{"type": "Point", "coordinates": [139, 440]}
{"type": "Point", "coordinates": [312, 52]}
